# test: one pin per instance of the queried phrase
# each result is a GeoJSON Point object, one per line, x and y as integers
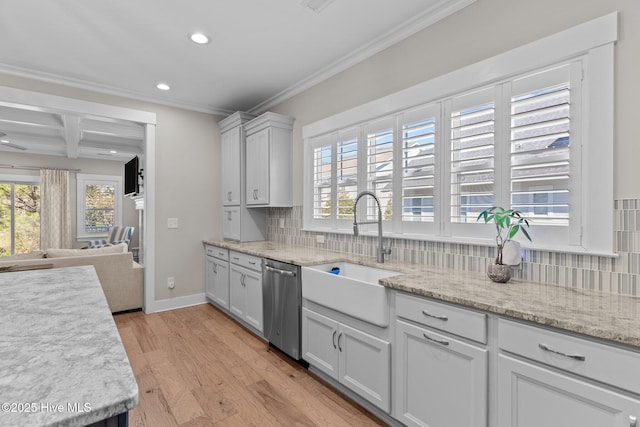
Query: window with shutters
{"type": "Point", "coordinates": [380, 168]}
{"type": "Point", "coordinates": [523, 141]}
{"type": "Point", "coordinates": [322, 181]}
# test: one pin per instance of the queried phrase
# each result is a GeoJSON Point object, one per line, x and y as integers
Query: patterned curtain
{"type": "Point", "coordinates": [55, 214]}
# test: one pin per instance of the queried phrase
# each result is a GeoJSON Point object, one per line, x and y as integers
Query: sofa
{"type": "Point", "coordinates": [121, 278]}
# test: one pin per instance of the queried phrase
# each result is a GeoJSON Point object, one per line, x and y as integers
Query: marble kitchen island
{"type": "Point", "coordinates": [61, 358]}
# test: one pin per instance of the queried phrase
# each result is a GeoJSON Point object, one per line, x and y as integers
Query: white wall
{"type": "Point", "coordinates": [187, 183]}
{"type": "Point", "coordinates": [86, 166]}
{"type": "Point", "coordinates": [482, 30]}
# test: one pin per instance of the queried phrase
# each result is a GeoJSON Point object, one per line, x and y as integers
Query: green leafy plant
{"type": "Point", "coordinates": [505, 220]}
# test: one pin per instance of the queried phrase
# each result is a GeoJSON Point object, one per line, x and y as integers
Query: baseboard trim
{"type": "Point", "coordinates": [175, 303]}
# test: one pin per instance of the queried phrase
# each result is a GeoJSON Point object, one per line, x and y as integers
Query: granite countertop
{"type": "Point", "coordinates": [605, 316]}
{"type": "Point", "coordinates": [61, 358]}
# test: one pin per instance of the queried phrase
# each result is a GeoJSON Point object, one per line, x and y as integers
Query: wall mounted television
{"type": "Point", "coordinates": [131, 173]}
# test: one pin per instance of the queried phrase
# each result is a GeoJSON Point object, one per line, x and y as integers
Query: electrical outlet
{"type": "Point", "coordinates": [171, 282]}
{"type": "Point", "coordinates": [320, 238]}
{"type": "Point", "coordinates": [172, 223]}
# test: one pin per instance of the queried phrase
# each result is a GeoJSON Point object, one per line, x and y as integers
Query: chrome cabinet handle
{"type": "Point", "coordinates": [255, 194]}
{"type": "Point", "coordinates": [570, 356]}
{"type": "Point", "coordinates": [229, 216]}
{"type": "Point", "coordinates": [229, 196]}
{"type": "Point", "coordinates": [339, 336]}
{"type": "Point", "coordinates": [333, 338]}
{"type": "Point", "coordinates": [633, 421]}
{"type": "Point", "coordinates": [433, 316]}
{"type": "Point", "coordinates": [215, 268]}
{"type": "Point", "coordinates": [242, 277]}
{"type": "Point", "coordinates": [442, 342]}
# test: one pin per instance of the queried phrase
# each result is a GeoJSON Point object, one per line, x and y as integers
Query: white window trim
{"type": "Point", "coordinates": [82, 180]}
{"type": "Point", "coordinates": [594, 40]}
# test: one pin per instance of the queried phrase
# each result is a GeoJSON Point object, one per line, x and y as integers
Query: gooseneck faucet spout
{"type": "Point", "coordinates": [381, 250]}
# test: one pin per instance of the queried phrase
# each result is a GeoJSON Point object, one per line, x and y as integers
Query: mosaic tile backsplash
{"type": "Point", "coordinates": [619, 275]}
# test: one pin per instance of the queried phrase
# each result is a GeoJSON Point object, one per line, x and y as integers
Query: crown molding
{"type": "Point", "coordinates": [108, 90]}
{"type": "Point", "coordinates": [430, 16]}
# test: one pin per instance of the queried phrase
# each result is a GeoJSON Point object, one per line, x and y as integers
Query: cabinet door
{"type": "Point", "coordinates": [237, 293]}
{"type": "Point", "coordinates": [440, 381]}
{"type": "Point", "coordinates": [231, 223]}
{"type": "Point", "coordinates": [231, 167]}
{"type": "Point", "coordinates": [319, 342]}
{"type": "Point", "coordinates": [209, 276]}
{"type": "Point", "coordinates": [365, 365]}
{"type": "Point", "coordinates": [253, 301]}
{"type": "Point", "coordinates": [532, 396]}
{"type": "Point", "coordinates": [220, 286]}
{"type": "Point", "coordinates": [257, 167]}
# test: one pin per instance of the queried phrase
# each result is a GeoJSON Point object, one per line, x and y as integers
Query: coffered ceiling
{"type": "Point", "coordinates": [260, 52]}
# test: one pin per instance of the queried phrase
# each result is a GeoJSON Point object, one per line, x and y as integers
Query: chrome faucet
{"type": "Point", "coordinates": [381, 250]}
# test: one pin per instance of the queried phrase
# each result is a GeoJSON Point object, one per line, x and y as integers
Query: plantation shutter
{"type": "Point", "coordinates": [419, 164]}
{"type": "Point", "coordinates": [380, 166]}
{"type": "Point", "coordinates": [540, 146]}
{"type": "Point", "coordinates": [321, 180]}
{"type": "Point", "coordinates": [346, 173]}
{"type": "Point", "coordinates": [472, 155]}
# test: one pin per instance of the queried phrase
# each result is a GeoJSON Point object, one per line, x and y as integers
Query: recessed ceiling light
{"type": "Point", "coordinates": [199, 38]}
{"type": "Point", "coordinates": [113, 152]}
{"type": "Point", "coordinates": [163, 86]}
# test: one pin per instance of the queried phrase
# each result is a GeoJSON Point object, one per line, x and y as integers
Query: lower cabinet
{"type": "Point", "coordinates": [245, 299]}
{"type": "Point", "coordinates": [440, 381]}
{"type": "Point", "coordinates": [533, 396]}
{"type": "Point", "coordinates": [548, 378]}
{"type": "Point", "coordinates": [356, 359]}
{"type": "Point", "coordinates": [217, 281]}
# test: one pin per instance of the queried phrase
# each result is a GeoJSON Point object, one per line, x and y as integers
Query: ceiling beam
{"type": "Point", "coordinates": [71, 135]}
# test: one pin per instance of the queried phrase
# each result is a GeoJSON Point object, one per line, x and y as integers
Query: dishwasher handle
{"type": "Point", "coordinates": [279, 271]}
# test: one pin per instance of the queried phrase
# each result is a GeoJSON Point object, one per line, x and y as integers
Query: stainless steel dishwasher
{"type": "Point", "coordinates": [282, 306]}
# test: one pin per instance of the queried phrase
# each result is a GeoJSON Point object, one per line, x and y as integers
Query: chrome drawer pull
{"type": "Point", "coordinates": [433, 316]}
{"type": "Point", "coordinates": [443, 342]}
{"type": "Point", "coordinates": [570, 356]}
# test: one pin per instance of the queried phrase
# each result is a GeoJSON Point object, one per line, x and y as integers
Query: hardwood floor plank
{"type": "Point", "coordinates": [198, 367]}
{"type": "Point", "coordinates": [181, 402]}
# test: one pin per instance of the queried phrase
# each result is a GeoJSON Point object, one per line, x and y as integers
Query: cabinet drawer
{"type": "Point", "coordinates": [607, 364]}
{"type": "Point", "coordinates": [248, 261]}
{"type": "Point", "coordinates": [458, 321]}
{"type": "Point", "coordinates": [217, 252]}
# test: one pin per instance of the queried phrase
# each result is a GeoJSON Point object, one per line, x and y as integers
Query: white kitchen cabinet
{"type": "Point", "coordinates": [551, 379]}
{"type": "Point", "coordinates": [238, 222]}
{"type": "Point", "coordinates": [268, 160]}
{"type": "Point", "coordinates": [231, 166]}
{"type": "Point", "coordinates": [441, 376]}
{"type": "Point", "coordinates": [217, 275]}
{"type": "Point", "coordinates": [441, 381]}
{"type": "Point", "coordinates": [533, 396]}
{"type": "Point", "coordinates": [356, 359]}
{"type": "Point", "coordinates": [245, 289]}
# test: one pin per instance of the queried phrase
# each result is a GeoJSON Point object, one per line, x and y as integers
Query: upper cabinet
{"type": "Point", "coordinates": [268, 161]}
{"type": "Point", "coordinates": [238, 222]}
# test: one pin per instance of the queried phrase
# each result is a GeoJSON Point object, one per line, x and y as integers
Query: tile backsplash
{"type": "Point", "coordinates": [619, 275]}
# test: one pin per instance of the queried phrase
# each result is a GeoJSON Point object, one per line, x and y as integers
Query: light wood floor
{"type": "Point", "coordinates": [197, 367]}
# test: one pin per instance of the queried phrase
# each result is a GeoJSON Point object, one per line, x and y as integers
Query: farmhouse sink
{"type": "Point", "coordinates": [352, 289]}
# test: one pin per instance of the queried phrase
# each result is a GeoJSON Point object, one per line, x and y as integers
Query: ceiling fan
{"type": "Point", "coordinates": [6, 143]}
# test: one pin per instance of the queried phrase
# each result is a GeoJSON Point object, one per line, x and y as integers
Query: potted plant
{"type": "Point", "coordinates": [511, 222]}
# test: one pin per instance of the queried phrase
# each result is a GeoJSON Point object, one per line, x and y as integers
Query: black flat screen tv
{"type": "Point", "coordinates": [131, 171]}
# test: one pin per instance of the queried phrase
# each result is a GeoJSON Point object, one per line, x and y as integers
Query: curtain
{"type": "Point", "coordinates": [55, 214]}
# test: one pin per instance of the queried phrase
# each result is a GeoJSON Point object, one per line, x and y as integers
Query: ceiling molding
{"type": "Point", "coordinates": [108, 90]}
{"type": "Point", "coordinates": [429, 17]}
